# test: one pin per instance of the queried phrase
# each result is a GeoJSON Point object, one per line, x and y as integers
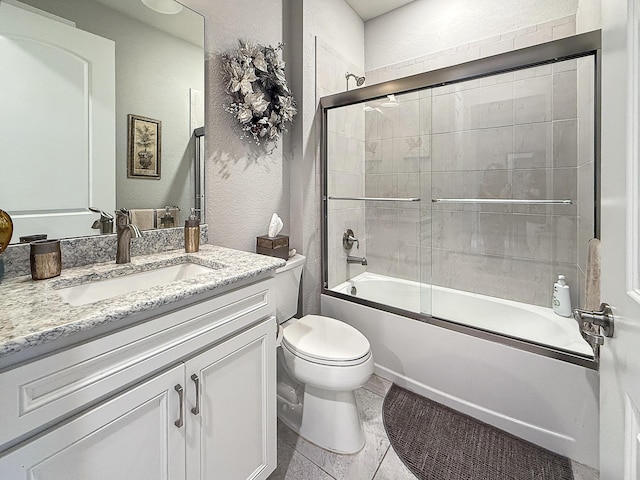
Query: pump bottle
{"type": "Point", "coordinates": [561, 301]}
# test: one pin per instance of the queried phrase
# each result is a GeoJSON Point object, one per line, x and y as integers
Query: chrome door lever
{"type": "Point", "coordinates": [602, 318]}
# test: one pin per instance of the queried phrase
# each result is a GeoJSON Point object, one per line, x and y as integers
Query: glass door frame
{"type": "Point", "coordinates": [576, 46]}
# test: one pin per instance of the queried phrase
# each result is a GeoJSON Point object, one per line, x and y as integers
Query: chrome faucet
{"type": "Point", "coordinates": [125, 230]}
{"type": "Point", "coordinates": [105, 223]}
{"type": "Point", "coordinates": [360, 260]}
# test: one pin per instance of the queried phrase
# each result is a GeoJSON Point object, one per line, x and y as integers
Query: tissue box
{"type": "Point", "coordinates": [277, 246]}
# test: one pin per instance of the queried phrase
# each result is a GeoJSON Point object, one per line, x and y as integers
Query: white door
{"type": "Point", "coordinates": [620, 227]}
{"type": "Point", "coordinates": [231, 424]}
{"type": "Point", "coordinates": [57, 124]}
{"type": "Point", "coordinates": [130, 437]}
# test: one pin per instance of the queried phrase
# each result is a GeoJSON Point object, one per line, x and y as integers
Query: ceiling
{"type": "Point", "coordinates": [368, 9]}
{"type": "Point", "coordinates": [187, 24]}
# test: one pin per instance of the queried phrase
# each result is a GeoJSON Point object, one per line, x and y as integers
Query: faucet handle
{"type": "Point", "coordinates": [104, 223]}
{"type": "Point", "coordinates": [348, 239]}
{"type": "Point", "coordinates": [135, 231]}
{"type": "Point", "coordinates": [103, 215]}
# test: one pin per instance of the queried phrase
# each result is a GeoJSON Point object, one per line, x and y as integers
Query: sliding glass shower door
{"type": "Point", "coordinates": [377, 174]}
{"type": "Point", "coordinates": [464, 201]}
{"type": "Point", "coordinates": [513, 183]}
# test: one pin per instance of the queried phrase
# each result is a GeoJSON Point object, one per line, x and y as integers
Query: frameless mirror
{"type": "Point", "coordinates": [103, 107]}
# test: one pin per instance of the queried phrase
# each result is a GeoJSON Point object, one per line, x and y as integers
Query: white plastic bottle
{"type": "Point", "coordinates": [561, 302]}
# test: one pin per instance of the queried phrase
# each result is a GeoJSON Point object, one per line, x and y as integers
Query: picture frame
{"type": "Point", "coordinates": [143, 147]}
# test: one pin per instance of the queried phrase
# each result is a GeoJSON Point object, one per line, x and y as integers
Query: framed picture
{"type": "Point", "coordinates": [143, 147]}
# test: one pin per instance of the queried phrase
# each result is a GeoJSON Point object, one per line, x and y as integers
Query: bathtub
{"type": "Point", "coordinates": [519, 320]}
{"type": "Point", "coordinates": [545, 400]}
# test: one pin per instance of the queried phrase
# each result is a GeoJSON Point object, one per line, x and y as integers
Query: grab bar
{"type": "Point", "coordinates": [376, 199]}
{"type": "Point", "coordinates": [506, 201]}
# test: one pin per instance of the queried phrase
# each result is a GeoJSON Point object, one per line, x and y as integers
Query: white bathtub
{"type": "Point", "coordinates": [519, 320]}
{"type": "Point", "coordinates": [549, 402]}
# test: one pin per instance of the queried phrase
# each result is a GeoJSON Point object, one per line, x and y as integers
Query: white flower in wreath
{"type": "Point", "coordinates": [257, 102]}
{"type": "Point", "coordinates": [259, 62]}
{"type": "Point", "coordinates": [248, 50]}
{"type": "Point", "coordinates": [273, 133]}
{"type": "Point", "coordinates": [245, 114]}
{"type": "Point", "coordinates": [287, 110]}
{"type": "Point", "coordinates": [244, 84]}
{"type": "Point", "coordinates": [236, 70]}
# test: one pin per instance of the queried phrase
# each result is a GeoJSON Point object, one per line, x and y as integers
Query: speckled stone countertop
{"type": "Point", "coordinates": [32, 313]}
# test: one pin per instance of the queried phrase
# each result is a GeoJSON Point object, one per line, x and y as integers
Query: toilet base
{"type": "Point", "coordinates": [328, 419]}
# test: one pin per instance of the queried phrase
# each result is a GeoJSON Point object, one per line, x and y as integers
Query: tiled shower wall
{"type": "Point", "coordinates": [526, 135]}
{"type": "Point", "coordinates": [508, 136]}
{"type": "Point", "coordinates": [514, 135]}
{"type": "Point", "coordinates": [523, 135]}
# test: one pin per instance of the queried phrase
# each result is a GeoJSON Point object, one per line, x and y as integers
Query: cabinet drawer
{"type": "Point", "coordinates": [38, 394]}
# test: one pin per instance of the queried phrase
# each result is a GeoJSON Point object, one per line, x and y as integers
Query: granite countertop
{"type": "Point", "coordinates": [32, 313]}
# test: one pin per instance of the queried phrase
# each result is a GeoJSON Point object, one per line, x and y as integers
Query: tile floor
{"type": "Point", "coordinates": [301, 460]}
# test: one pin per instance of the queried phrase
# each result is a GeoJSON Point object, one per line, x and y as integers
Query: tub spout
{"type": "Point", "coordinates": [360, 260]}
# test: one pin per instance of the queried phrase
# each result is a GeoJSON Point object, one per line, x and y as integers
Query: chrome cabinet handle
{"type": "Point", "coordinates": [180, 422]}
{"type": "Point", "coordinates": [196, 410]}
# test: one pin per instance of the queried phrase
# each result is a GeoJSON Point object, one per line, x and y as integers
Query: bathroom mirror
{"type": "Point", "coordinates": [157, 73]}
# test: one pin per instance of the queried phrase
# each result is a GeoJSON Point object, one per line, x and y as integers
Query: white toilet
{"type": "Point", "coordinates": [321, 361]}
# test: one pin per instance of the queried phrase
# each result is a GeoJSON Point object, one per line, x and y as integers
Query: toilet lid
{"type": "Point", "coordinates": [325, 338]}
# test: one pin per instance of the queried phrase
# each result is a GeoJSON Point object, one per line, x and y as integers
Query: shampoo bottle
{"type": "Point", "coordinates": [561, 298]}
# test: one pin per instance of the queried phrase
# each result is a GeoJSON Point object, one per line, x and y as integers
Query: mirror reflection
{"type": "Point", "coordinates": [101, 100]}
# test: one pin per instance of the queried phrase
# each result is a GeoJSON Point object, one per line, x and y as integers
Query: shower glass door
{"type": "Point", "coordinates": [377, 173]}
{"type": "Point", "coordinates": [460, 204]}
{"type": "Point", "coordinates": [512, 171]}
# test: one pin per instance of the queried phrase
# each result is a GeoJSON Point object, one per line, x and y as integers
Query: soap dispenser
{"type": "Point", "coordinates": [561, 302]}
{"type": "Point", "coordinates": [192, 233]}
{"type": "Point", "coordinates": [167, 221]}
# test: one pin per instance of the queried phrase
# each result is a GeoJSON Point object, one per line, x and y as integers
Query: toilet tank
{"type": "Point", "coordinates": [287, 287]}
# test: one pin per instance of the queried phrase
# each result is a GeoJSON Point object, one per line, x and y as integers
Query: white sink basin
{"type": "Point", "coordinates": [112, 287]}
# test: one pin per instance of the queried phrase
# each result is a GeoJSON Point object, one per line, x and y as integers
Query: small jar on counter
{"type": "Point", "coordinates": [46, 259]}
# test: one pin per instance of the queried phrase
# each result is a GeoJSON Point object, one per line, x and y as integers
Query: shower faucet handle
{"type": "Point", "coordinates": [348, 239]}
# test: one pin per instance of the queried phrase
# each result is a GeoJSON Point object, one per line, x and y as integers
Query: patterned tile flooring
{"type": "Point", "coordinates": [302, 460]}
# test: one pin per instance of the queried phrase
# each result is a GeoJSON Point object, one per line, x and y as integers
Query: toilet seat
{"type": "Point", "coordinates": [326, 341]}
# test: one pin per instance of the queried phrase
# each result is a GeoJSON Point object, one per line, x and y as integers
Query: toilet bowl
{"type": "Point", "coordinates": [321, 361]}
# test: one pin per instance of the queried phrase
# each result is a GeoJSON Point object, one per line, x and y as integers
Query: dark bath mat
{"type": "Point", "coordinates": [438, 443]}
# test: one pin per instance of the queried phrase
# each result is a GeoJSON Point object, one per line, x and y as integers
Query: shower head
{"type": "Point", "coordinates": [359, 80]}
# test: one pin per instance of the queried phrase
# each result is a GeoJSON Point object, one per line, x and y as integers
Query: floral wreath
{"type": "Point", "coordinates": [260, 98]}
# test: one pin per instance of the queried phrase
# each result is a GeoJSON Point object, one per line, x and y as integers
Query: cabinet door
{"type": "Point", "coordinates": [233, 436]}
{"type": "Point", "coordinates": [129, 437]}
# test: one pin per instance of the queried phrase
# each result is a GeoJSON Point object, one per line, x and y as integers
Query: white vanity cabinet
{"type": "Point", "coordinates": [186, 395]}
{"type": "Point", "coordinates": [131, 436]}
